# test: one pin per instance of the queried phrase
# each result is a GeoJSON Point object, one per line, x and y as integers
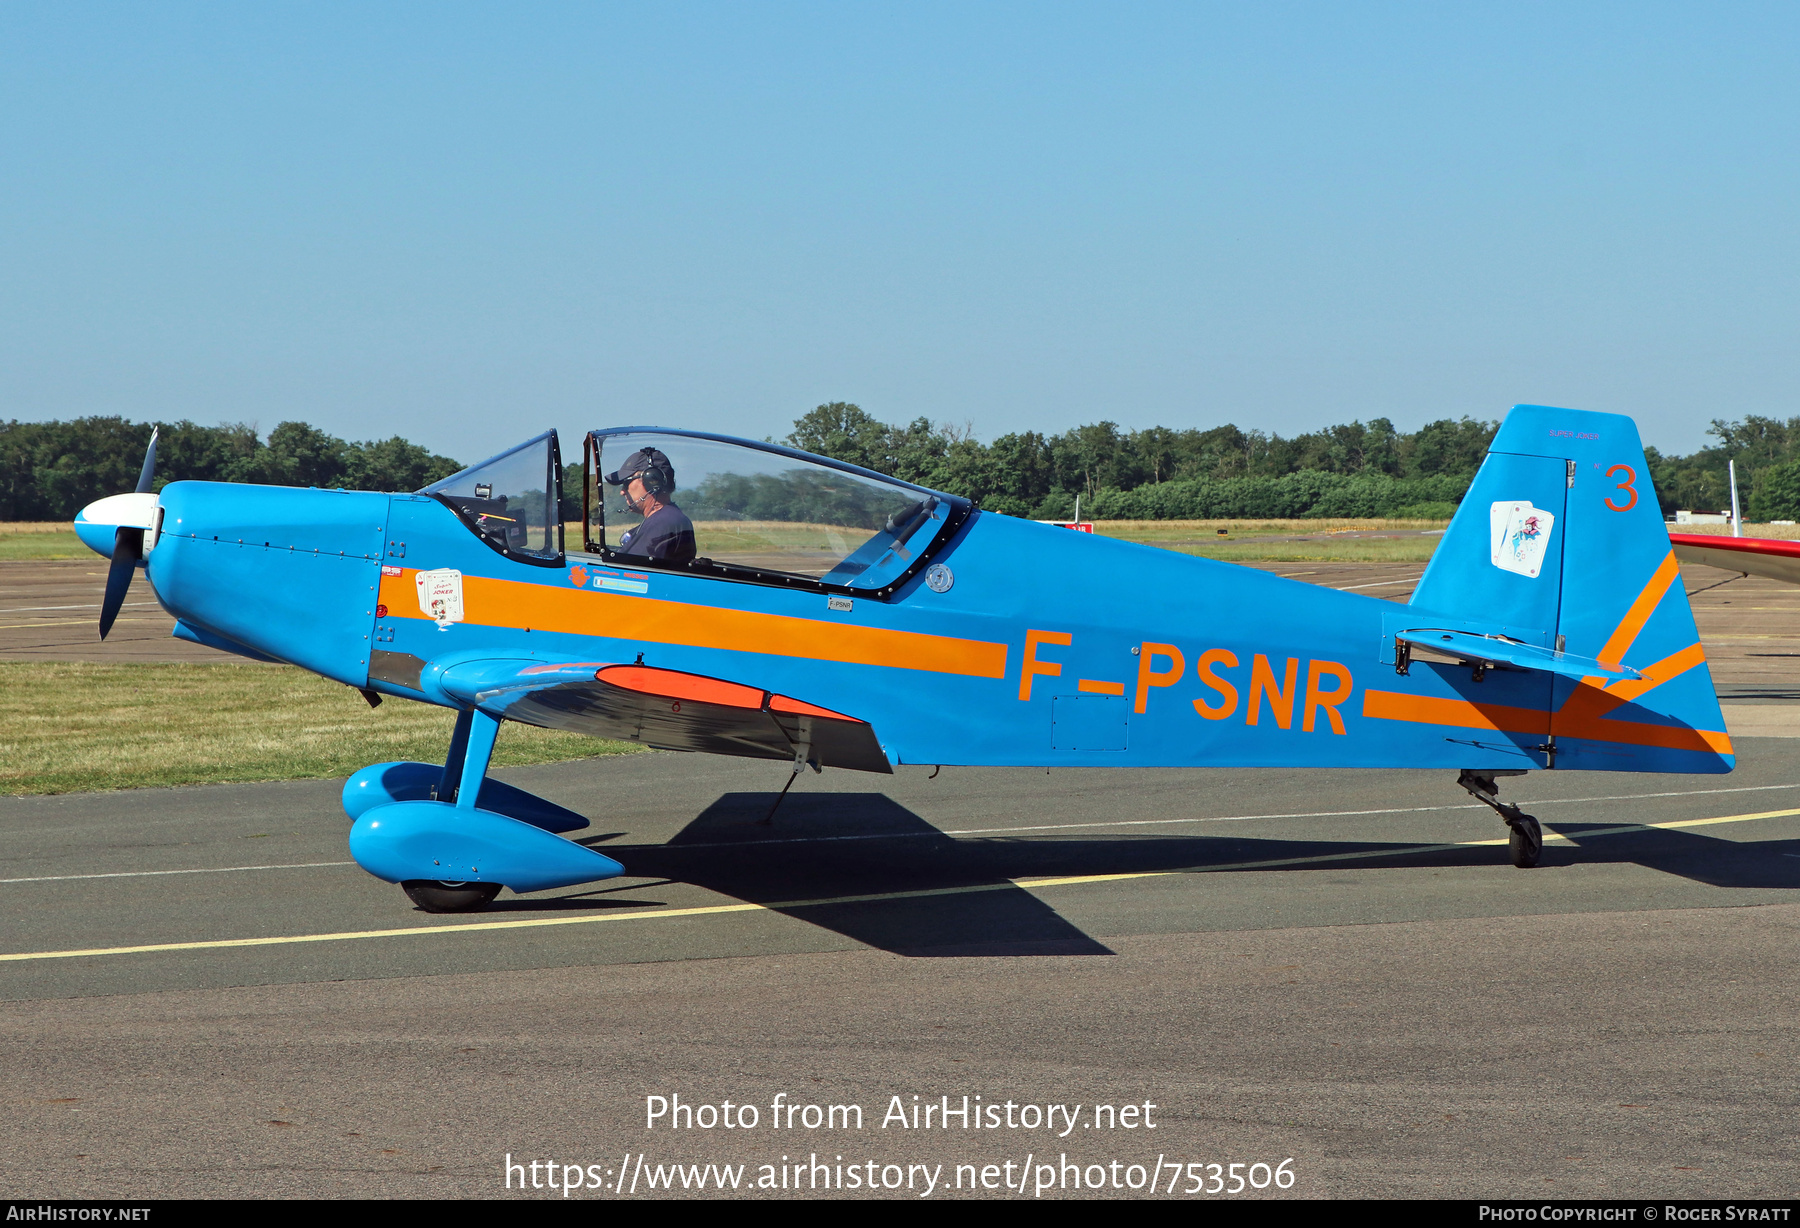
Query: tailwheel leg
{"type": "Point", "coordinates": [1527, 837]}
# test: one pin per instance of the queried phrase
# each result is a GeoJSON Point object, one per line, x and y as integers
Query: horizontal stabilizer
{"type": "Point", "coordinates": [1489, 650]}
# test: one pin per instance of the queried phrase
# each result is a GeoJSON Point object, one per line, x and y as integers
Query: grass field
{"type": "Point", "coordinates": [71, 727]}
{"type": "Point", "coordinates": [1293, 541]}
{"type": "Point", "coordinates": [40, 540]}
{"type": "Point", "coordinates": [1403, 550]}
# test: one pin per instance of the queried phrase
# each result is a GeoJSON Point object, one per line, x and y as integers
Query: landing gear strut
{"type": "Point", "coordinates": [451, 837]}
{"type": "Point", "coordinates": [1527, 842]}
{"type": "Point", "coordinates": [471, 746]}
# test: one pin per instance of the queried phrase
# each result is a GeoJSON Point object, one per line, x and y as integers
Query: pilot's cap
{"type": "Point", "coordinates": [651, 465]}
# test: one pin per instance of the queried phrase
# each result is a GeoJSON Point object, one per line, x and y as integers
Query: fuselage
{"type": "Point", "coordinates": [1045, 647]}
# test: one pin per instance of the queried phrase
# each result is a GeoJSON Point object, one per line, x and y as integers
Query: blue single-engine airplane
{"type": "Point", "coordinates": [741, 598]}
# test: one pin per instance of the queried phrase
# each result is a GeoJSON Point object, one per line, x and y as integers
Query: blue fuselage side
{"type": "Point", "coordinates": [1047, 648]}
{"type": "Point", "coordinates": [285, 572]}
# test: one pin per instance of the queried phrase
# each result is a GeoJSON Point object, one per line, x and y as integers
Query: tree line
{"type": "Point", "coordinates": [1767, 452]}
{"type": "Point", "coordinates": [1349, 470]}
{"type": "Point", "coordinates": [49, 470]}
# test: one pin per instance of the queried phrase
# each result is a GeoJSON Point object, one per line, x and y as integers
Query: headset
{"type": "Point", "coordinates": [657, 475]}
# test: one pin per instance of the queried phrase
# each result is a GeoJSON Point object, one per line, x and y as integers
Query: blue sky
{"type": "Point", "coordinates": [465, 223]}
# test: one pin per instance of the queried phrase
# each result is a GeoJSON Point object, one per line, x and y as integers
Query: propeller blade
{"type": "Point", "coordinates": [128, 544]}
{"type": "Point", "coordinates": [149, 470]}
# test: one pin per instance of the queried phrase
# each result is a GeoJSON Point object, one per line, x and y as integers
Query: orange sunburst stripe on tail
{"type": "Point", "coordinates": [1586, 723]}
{"type": "Point", "coordinates": [1626, 633]}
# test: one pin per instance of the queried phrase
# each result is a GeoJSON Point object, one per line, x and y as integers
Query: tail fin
{"type": "Point", "coordinates": [1560, 543]}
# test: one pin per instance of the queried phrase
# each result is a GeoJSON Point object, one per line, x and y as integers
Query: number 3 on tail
{"type": "Point", "coordinates": [1626, 485]}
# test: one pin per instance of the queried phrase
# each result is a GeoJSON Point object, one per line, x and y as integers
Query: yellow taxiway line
{"type": "Point", "coordinates": [464, 927]}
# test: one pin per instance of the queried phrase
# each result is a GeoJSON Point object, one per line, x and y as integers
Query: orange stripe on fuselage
{"type": "Point", "coordinates": [541, 607]}
{"type": "Point", "coordinates": [1432, 710]}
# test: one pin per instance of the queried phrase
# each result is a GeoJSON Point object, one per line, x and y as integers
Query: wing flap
{"type": "Point", "coordinates": [669, 710]}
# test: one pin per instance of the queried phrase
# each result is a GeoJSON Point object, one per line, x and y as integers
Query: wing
{"type": "Point", "coordinates": [666, 709]}
{"type": "Point", "coordinates": [1754, 556]}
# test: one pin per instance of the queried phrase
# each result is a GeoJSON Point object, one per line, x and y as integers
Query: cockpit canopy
{"type": "Point", "coordinates": [512, 500]}
{"type": "Point", "coordinates": [759, 511]}
{"type": "Point", "coordinates": [737, 510]}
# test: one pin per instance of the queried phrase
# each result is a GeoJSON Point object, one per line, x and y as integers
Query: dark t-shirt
{"type": "Point", "coordinates": [666, 534]}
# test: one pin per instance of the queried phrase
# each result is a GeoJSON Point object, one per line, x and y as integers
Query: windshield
{"type": "Point", "coordinates": [512, 499]}
{"type": "Point", "coordinates": [750, 508]}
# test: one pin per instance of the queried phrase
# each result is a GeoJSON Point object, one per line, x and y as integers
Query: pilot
{"type": "Point", "coordinates": [666, 533]}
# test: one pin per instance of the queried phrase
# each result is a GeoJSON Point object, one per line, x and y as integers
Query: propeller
{"type": "Point", "coordinates": [128, 549]}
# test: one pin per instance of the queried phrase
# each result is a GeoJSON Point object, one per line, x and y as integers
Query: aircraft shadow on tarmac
{"type": "Point", "coordinates": [827, 846]}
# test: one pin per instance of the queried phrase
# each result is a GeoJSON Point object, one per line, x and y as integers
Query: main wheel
{"type": "Point", "coordinates": [449, 897]}
{"type": "Point", "coordinates": [1527, 842]}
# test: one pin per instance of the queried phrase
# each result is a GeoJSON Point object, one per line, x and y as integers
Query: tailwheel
{"type": "Point", "coordinates": [1527, 842]}
{"type": "Point", "coordinates": [435, 896]}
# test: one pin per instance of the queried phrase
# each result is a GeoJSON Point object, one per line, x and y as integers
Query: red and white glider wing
{"type": "Point", "coordinates": [1755, 556]}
